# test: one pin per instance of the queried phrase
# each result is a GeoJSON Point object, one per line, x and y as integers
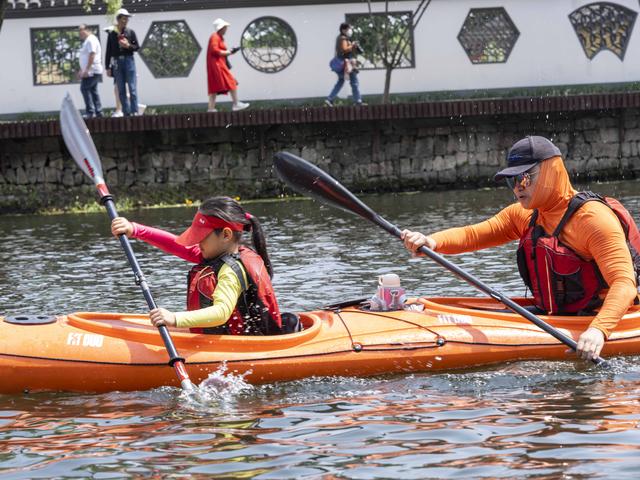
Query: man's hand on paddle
{"type": "Point", "coordinates": [121, 226]}
{"type": "Point", "coordinates": [590, 343]}
{"type": "Point", "coordinates": [162, 316]}
{"type": "Point", "coordinates": [414, 240]}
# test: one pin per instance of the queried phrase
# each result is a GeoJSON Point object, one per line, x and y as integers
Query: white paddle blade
{"type": "Point", "coordinates": [78, 140]}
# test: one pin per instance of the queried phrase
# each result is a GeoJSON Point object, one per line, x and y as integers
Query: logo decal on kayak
{"type": "Point", "coordinates": [85, 340]}
{"type": "Point", "coordinates": [454, 319]}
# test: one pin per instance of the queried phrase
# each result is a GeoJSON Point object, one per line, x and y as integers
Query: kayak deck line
{"type": "Point", "coordinates": [366, 348]}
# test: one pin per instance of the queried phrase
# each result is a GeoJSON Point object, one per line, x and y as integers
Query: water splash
{"type": "Point", "coordinates": [221, 389]}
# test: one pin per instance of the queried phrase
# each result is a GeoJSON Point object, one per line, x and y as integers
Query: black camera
{"type": "Point", "coordinates": [358, 48]}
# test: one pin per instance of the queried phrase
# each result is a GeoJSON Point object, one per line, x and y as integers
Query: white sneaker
{"type": "Point", "coordinates": [141, 108]}
{"type": "Point", "coordinates": [240, 106]}
{"type": "Point", "coordinates": [212, 110]}
{"type": "Point", "coordinates": [117, 114]}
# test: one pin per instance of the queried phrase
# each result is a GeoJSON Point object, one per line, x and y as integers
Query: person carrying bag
{"type": "Point", "coordinates": [343, 64]}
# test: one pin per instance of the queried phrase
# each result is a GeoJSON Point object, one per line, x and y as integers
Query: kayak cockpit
{"type": "Point", "coordinates": [136, 328]}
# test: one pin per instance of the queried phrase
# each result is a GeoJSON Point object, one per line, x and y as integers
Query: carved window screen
{"type": "Point", "coordinates": [55, 54]}
{"type": "Point", "coordinates": [373, 31]}
{"type": "Point", "coordinates": [488, 35]}
{"type": "Point", "coordinates": [603, 26]}
{"type": "Point", "coordinates": [170, 49]}
{"type": "Point", "coordinates": [269, 44]}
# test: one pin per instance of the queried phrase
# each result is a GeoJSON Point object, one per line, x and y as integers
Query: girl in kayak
{"type": "Point", "coordinates": [577, 252]}
{"type": "Point", "coordinates": [229, 289]}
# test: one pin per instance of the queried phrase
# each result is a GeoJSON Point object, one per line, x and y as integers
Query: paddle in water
{"type": "Point", "coordinates": [80, 144]}
{"type": "Point", "coordinates": [310, 180]}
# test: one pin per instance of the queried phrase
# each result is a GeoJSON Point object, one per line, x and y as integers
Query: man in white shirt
{"type": "Point", "coordinates": [90, 73]}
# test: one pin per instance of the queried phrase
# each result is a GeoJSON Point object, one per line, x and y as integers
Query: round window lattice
{"type": "Point", "coordinates": [269, 44]}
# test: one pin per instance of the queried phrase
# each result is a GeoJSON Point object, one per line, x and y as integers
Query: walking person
{"type": "Point", "coordinates": [220, 81]}
{"type": "Point", "coordinates": [90, 73]}
{"type": "Point", "coordinates": [122, 43]}
{"type": "Point", "coordinates": [117, 112]}
{"type": "Point", "coordinates": [344, 65]}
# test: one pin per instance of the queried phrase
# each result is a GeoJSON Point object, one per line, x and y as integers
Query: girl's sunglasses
{"type": "Point", "coordinates": [522, 179]}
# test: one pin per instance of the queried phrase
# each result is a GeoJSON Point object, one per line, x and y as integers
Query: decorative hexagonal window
{"type": "Point", "coordinates": [603, 26]}
{"type": "Point", "coordinates": [170, 49]}
{"type": "Point", "coordinates": [269, 44]}
{"type": "Point", "coordinates": [488, 35]}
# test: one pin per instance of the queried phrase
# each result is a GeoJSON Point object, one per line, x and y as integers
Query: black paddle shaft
{"type": "Point", "coordinates": [310, 180]}
{"type": "Point", "coordinates": [480, 285]}
{"type": "Point", "coordinates": [110, 205]}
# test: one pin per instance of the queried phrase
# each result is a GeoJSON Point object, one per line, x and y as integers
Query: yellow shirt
{"type": "Point", "coordinates": [225, 299]}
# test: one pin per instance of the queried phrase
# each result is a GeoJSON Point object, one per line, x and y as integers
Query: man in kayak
{"type": "Point", "coordinates": [229, 288]}
{"type": "Point", "coordinates": [577, 252]}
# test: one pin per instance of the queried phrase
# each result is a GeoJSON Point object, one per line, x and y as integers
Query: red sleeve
{"type": "Point", "coordinates": [166, 242]}
{"type": "Point", "coordinates": [215, 46]}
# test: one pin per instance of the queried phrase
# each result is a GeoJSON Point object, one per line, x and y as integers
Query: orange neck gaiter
{"type": "Point", "coordinates": [552, 193]}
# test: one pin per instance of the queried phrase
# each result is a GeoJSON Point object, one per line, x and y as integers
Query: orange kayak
{"type": "Point", "coordinates": [99, 352]}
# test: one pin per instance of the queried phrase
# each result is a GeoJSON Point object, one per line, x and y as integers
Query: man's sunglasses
{"type": "Point", "coordinates": [522, 179]}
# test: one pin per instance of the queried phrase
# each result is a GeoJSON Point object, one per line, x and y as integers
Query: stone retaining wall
{"type": "Point", "coordinates": [175, 165]}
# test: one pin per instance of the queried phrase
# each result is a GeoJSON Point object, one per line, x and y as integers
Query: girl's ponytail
{"type": "Point", "coordinates": [260, 243]}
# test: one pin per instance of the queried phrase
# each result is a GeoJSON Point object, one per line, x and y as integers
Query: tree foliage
{"type": "Point", "coordinates": [3, 6]}
{"type": "Point", "coordinates": [112, 6]}
{"type": "Point", "coordinates": [393, 38]}
{"type": "Point", "coordinates": [87, 5]}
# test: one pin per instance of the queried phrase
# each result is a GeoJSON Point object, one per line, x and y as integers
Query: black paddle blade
{"type": "Point", "coordinates": [307, 179]}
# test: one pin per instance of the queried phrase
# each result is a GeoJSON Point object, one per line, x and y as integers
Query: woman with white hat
{"type": "Point", "coordinates": [220, 81]}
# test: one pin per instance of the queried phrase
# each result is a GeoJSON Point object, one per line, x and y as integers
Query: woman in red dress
{"type": "Point", "coordinates": [219, 78]}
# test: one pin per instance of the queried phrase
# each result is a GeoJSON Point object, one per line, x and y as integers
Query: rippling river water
{"type": "Point", "coordinates": [534, 420]}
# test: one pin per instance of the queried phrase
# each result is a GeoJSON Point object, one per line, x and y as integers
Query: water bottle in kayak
{"type": "Point", "coordinates": [390, 295]}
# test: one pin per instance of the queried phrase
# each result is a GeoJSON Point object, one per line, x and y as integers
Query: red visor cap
{"type": "Point", "coordinates": [202, 226]}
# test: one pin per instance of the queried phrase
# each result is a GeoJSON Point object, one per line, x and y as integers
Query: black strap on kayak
{"type": "Point", "coordinates": [345, 304]}
{"type": "Point", "coordinates": [357, 347]}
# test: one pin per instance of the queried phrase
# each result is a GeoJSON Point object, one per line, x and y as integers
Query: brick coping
{"type": "Point", "coordinates": [311, 115]}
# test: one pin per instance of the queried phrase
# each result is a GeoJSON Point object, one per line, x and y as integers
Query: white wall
{"type": "Point", "coordinates": [547, 52]}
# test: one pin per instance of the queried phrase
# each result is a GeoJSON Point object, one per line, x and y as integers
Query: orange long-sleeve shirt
{"type": "Point", "coordinates": [593, 232]}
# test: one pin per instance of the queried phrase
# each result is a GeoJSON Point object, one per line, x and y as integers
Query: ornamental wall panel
{"type": "Point", "coordinates": [369, 30]}
{"type": "Point", "coordinates": [169, 49]}
{"type": "Point", "coordinates": [268, 44]}
{"type": "Point", "coordinates": [546, 52]}
{"type": "Point", "coordinates": [603, 26]}
{"type": "Point", "coordinates": [55, 54]}
{"type": "Point", "coordinates": [488, 35]}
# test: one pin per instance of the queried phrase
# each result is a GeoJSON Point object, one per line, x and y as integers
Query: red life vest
{"type": "Point", "coordinates": [561, 281]}
{"type": "Point", "coordinates": [256, 312]}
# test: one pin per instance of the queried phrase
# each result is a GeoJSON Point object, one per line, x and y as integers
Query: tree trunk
{"type": "Point", "coordinates": [387, 83]}
{"type": "Point", "coordinates": [3, 5]}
